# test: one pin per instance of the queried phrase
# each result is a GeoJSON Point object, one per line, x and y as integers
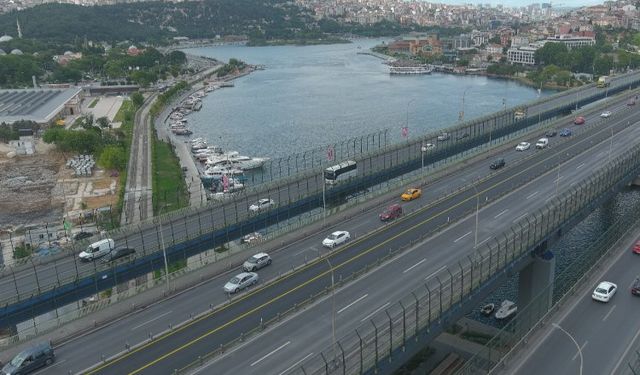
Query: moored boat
{"type": "Point", "coordinates": [507, 310]}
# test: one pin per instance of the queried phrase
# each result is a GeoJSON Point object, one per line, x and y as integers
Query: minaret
{"type": "Point", "coordinates": [19, 29]}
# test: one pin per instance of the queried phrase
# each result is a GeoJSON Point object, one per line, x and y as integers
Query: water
{"type": "Point", "coordinates": [312, 96]}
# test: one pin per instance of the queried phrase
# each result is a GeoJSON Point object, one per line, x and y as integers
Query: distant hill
{"type": "Point", "coordinates": [155, 21]}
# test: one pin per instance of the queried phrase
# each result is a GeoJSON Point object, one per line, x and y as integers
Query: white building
{"type": "Point", "coordinates": [522, 55]}
{"type": "Point", "coordinates": [572, 41]}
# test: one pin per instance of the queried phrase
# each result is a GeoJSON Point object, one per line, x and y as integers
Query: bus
{"type": "Point", "coordinates": [340, 172]}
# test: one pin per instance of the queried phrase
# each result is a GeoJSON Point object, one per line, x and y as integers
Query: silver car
{"type": "Point", "coordinates": [256, 262]}
{"type": "Point", "coordinates": [241, 281]}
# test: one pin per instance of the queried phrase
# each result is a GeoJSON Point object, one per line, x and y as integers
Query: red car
{"type": "Point", "coordinates": [392, 212]}
{"type": "Point", "coordinates": [579, 120]}
{"type": "Point", "coordinates": [636, 248]}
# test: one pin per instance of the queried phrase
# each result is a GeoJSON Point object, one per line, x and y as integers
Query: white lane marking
{"type": "Point", "coordinates": [42, 371]}
{"type": "Point", "coordinates": [435, 273]}
{"type": "Point", "coordinates": [151, 320]}
{"type": "Point", "coordinates": [532, 195]}
{"type": "Point", "coordinates": [501, 213]}
{"type": "Point", "coordinates": [414, 266]}
{"type": "Point", "coordinates": [581, 349]}
{"type": "Point", "coordinates": [624, 355]}
{"type": "Point", "coordinates": [558, 179]}
{"type": "Point", "coordinates": [305, 250]}
{"type": "Point", "coordinates": [352, 303]}
{"type": "Point", "coordinates": [270, 353]}
{"type": "Point", "coordinates": [521, 217]}
{"type": "Point", "coordinates": [609, 313]}
{"type": "Point", "coordinates": [573, 183]}
{"type": "Point", "coordinates": [463, 236]}
{"type": "Point", "coordinates": [297, 363]}
{"type": "Point", "coordinates": [373, 313]}
{"type": "Point", "coordinates": [483, 241]}
{"type": "Point", "coordinates": [580, 166]}
{"type": "Point", "coordinates": [358, 226]}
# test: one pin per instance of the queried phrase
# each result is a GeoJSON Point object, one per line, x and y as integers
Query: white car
{"type": "Point", "coordinates": [256, 262]}
{"type": "Point", "coordinates": [444, 136]}
{"type": "Point", "coordinates": [523, 146]}
{"type": "Point", "coordinates": [262, 204]}
{"type": "Point", "coordinates": [429, 146]}
{"type": "Point", "coordinates": [336, 238]}
{"type": "Point", "coordinates": [241, 281]}
{"type": "Point", "coordinates": [605, 114]}
{"type": "Point", "coordinates": [604, 291]}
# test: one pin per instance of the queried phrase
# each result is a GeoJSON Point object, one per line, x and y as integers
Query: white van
{"type": "Point", "coordinates": [542, 143]}
{"type": "Point", "coordinates": [97, 249]}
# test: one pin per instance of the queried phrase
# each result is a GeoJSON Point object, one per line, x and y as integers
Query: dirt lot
{"type": "Point", "coordinates": [33, 188]}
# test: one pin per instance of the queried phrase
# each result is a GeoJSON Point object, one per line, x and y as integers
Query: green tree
{"type": "Point", "coordinates": [551, 53]}
{"type": "Point", "coordinates": [102, 122]}
{"type": "Point", "coordinates": [137, 99]}
{"type": "Point", "coordinates": [113, 157]}
{"type": "Point", "coordinates": [603, 65]}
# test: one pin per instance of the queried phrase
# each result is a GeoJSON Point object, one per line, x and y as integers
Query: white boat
{"type": "Point", "coordinates": [235, 159]}
{"type": "Point", "coordinates": [183, 131]}
{"type": "Point", "coordinates": [507, 310]}
{"type": "Point", "coordinates": [198, 146]}
{"type": "Point", "coordinates": [487, 309]}
{"type": "Point", "coordinates": [418, 69]}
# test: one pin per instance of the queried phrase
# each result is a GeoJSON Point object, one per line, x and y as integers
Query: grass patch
{"type": "Point", "coordinates": [173, 267]}
{"type": "Point", "coordinates": [477, 337]}
{"type": "Point", "coordinates": [94, 102]}
{"type": "Point", "coordinates": [22, 251]}
{"type": "Point", "coordinates": [169, 188]}
{"type": "Point", "coordinates": [126, 106]}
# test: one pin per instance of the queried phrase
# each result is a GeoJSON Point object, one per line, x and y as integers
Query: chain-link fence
{"type": "Point", "coordinates": [387, 332]}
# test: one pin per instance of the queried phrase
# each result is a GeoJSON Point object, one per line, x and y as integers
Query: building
{"type": "Point", "coordinates": [571, 41]}
{"type": "Point", "coordinates": [525, 55]}
{"type": "Point", "coordinates": [42, 106]}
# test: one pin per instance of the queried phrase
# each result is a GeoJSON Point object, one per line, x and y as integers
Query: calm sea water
{"type": "Point", "coordinates": [312, 96]}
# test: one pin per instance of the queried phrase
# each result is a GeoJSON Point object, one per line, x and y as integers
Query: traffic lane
{"type": "Point", "coordinates": [171, 235]}
{"type": "Point", "coordinates": [603, 331]}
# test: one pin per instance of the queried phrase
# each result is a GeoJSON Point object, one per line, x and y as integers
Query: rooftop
{"type": "Point", "coordinates": [39, 105]}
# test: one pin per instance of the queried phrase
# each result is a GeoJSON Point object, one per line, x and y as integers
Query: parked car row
{"type": "Point", "coordinates": [106, 250]}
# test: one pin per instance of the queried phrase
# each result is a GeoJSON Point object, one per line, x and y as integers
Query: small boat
{"type": "Point", "coordinates": [507, 310]}
{"type": "Point", "coordinates": [487, 309]}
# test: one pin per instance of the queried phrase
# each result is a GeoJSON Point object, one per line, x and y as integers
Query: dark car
{"type": "Point", "coordinates": [497, 164]}
{"type": "Point", "coordinates": [565, 133]}
{"type": "Point", "coordinates": [635, 287]}
{"type": "Point", "coordinates": [117, 253]}
{"type": "Point", "coordinates": [392, 212]}
{"type": "Point", "coordinates": [29, 360]}
{"type": "Point", "coordinates": [82, 235]}
{"type": "Point", "coordinates": [551, 133]}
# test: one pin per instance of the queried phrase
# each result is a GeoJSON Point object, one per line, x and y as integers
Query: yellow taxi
{"type": "Point", "coordinates": [411, 194]}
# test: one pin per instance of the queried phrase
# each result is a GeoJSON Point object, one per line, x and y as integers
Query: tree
{"type": "Point", "coordinates": [551, 53]}
{"type": "Point", "coordinates": [113, 157]}
{"type": "Point", "coordinates": [603, 64]}
{"type": "Point", "coordinates": [103, 122]}
{"type": "Point", "coordinates": [137, 99]}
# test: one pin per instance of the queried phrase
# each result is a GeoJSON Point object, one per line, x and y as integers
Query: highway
{"type": "Point", "coordinates": [605, 332]}
{"type": "Point", "coordinates": [64, 269]}
{"type": "Point", "coordinates": [225, 323]}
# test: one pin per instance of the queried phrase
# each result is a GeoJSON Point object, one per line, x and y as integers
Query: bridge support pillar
{"type": "Point", "coordinates": [534, 279]}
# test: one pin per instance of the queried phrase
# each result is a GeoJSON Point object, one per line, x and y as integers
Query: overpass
{"type": "Point", "coordinates": [448, 292]}
{"type": "Point", "coordinates": [35, 288]}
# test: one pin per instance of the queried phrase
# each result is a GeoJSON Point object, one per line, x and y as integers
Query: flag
{"type": "Point", "coordinates": [405, 131]}
{"type": "Point", "coordinates": [330, 153]}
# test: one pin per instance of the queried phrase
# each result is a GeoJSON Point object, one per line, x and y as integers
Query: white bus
{"type": "Point", "coordinates": [340, 172]}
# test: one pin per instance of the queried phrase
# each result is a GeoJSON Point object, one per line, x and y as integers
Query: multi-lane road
{"type": "Point", "coordinates": [242, 314]}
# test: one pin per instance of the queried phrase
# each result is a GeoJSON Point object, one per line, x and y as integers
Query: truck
{"type": "Point", "coordinates": [520, 114]}
{"type": "Point", "coordinates": [603, 81]}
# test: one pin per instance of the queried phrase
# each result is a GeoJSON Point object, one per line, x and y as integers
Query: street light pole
{"type": "Point", "coordinates": [475, 240]}
{"type": "Point", "coordinates": [558, 179]}
{"type": "Point", "coordinates": [324, 203]}
{"type": "Point", "coordinates": [610, 146]}
{"type": "Point", "coordinates": [462, 111]}
{"type": "Point", "coordinates": [333, 309]}
{"type": "Point", "coordinates": [164, 249]}
{"type": "Point", "coordinates": [423, 149]}
{"type": "Point", "coordinates": [557, 326]}
{"type": "Point", "coordinates": [409, 103]}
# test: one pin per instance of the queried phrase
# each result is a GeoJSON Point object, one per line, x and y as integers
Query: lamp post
{"type": "Point", "coordinates": [557, 326]}
{"type": "Point", "coordinates": [475, 189]}
{"type": "Point", "coordinates": [610, 146]}
{"type": "Point", "coordinates": [164, 249]}
{"type": "Point", "coordinates": [423, 149]}
{"type": "Point", "coordinates": [407, 119]}
{"type": "Point", "coordinates": [324, 202]}
{"type": "Point", "coordinates": [333, 310]}
{"type": "Point", "coordinates": [558, 179]}
{"type": "Point", "coordinates": [464, 93]}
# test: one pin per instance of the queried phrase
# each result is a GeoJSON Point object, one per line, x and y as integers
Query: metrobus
{"type": "Point", "coordinates": [340, 172]}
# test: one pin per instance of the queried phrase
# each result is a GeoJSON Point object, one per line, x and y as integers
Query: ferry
{"type": "Point", "coordinates": [419, 69]}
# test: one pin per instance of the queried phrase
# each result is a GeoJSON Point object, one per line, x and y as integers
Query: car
{"type": "Point", "coordinates": [522, 146]}
{"type": "Point", "coordinates": [542, 143]}
{"type": "Point", "coordinates": [262, 204]}
{"type": "Point", "coordinates": [82, 235]}
{"type": "Point", "coordinates": [30, 359]}
{"type": "Point", "coordinates": [565, 132]}
{"type": "Point", "coordinates": [252, 238]}
{"type": "Point", "coordinates": [411, 194]}
{"type": "Point", "coordinates": [631, 102]}
{"type": "Point", "coordinates": [392, 212]}
{"type": "Point", "coordinates": [256, 262]}
{"type": "Point", "coordinates": [429, 146]}
{"type": "Point", "coordinates": [240, 281]}
{"type": "Point", "coordinates": [604, 291]}
{"type": "Point", "coordinates": [579, 120]}
{"type": "Point", "coordinates": [118, 252]}
{"type": "Point", "coordinates": [462, 136]}
{"type": "Point", "coordinates": [497, 164]}
{"type": "Point", "coordinates": [636, 247]}
{"type": "Point", "coordinates": [444, 136]}
{"type": "Point", "coordinates": [635, 287]}
{"type": "Point", "coordinates": [605, 114]}
{"type": "Point", "coordinates": [336, 238]}
{"type": "Point", "coordinates": [551, 133]}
